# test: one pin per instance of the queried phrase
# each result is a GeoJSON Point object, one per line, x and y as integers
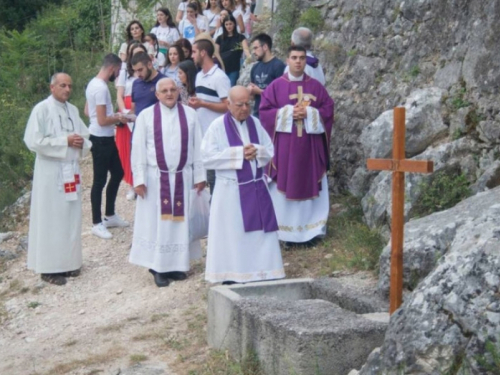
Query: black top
{"type": "Point", "coordinates": [230, 50]}
{"type": "Point", "coordinates": [262, 74]}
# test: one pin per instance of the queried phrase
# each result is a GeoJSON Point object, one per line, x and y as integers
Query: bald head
{"type": "Point", "coordinates": [302, 37]}
{"type": "Point", "coordinates": [239, 103]}
{"type": "Point", "coordinates": [167, 92]}
{"type": "Point", "coordinates": [60, 86]}
{"type": "Point", "coordinates": [164, 81]}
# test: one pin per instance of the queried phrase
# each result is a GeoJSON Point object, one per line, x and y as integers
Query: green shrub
{"type": "Point", "coordinates": [312, 19]}
{"type": "Point", "coordinates": [445, 190]}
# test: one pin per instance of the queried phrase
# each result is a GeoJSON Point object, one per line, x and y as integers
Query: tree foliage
{"type": "Point", "coordinates": [16, 14]}
{"type": "Point", "coordinates": [65, 36]}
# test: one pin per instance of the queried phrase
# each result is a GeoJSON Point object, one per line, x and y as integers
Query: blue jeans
{"type": "Point", "coordinates": [233, 77]}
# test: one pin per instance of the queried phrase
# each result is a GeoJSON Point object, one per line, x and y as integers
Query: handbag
{"type": "Point", "coordinates": [199, 213]}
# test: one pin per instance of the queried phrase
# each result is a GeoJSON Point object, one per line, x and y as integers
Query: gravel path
{"type": "Point", "coordinates": [106, 319]}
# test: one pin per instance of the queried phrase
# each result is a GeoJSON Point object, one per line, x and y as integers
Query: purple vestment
{"type": "Point", "coordinates": [299, 163]}
{"type": "Point", "coordinates": [255, 201]}
{"type": "Point", "coordinates": [165, 194]}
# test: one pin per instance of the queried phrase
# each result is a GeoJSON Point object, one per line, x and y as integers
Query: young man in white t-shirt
{"type": "Point", "coordinates": [212, 89]}
{"type": "Point", "coordinates": [104, 152]}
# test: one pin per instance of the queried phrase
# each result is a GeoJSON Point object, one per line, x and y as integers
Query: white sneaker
{"type": "Point", "coordinates": [114, 221]}
{"type": "Point", "coordinates": [131, 195]}
{"type": "Point", "coordinates": [100, 230]}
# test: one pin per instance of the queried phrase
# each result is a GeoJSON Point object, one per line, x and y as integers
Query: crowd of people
{"type": "Point", "coordinates": [184, 125]}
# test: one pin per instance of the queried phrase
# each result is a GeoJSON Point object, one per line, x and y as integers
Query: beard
{"type": "Point", "coordinates": [112, 77]}
{"type": "Point", "coordinates": [148, 75]}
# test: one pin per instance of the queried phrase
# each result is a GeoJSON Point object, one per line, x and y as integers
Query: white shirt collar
{"type": "Point", "coordinates": [293, 78]}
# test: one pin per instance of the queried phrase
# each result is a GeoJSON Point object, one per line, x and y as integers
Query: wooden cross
{"type": "Point", "coordinates": [300, 97]}
{"type": "Point", "coordinates": [398, 165]}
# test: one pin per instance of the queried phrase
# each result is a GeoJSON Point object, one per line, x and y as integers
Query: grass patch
{"type": "Point", "coordinates": [219, 362]}
{"type": "Point", "coordinates": [111, 328]}
{"type": "Point", "coordinates": [33, 304]}
{"type": "Point", "coordinates": [157, 317]}
{"type": "Point", "coordinates": [90, 360]}
{"type": "Point", "coordinates": [490, 360]}
{"type": "Point", "coordinates": [70, 343]}
{"type": "Point", "coordinates": [349, 244]}
{"type": "Point", "coordinates": [137, 358]}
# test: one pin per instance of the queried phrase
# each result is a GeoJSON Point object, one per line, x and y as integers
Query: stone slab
{"type": "Point", "coordinates": [295, 326]}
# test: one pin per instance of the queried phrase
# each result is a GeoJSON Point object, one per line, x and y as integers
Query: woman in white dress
{"type": "Point", "coordinates": [135, 32]}
{"type": "Point", "coordinates": [213, 14]}
{"type": "Point", "coordinates": [165, 29]}
{"type": "Point", "coordinates": [194, 23]}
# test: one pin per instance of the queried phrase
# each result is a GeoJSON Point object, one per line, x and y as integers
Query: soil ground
{"type": "Point", "coordinates": [112, 315]}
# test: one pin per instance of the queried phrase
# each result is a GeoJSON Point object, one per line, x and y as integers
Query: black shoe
{"type": "Point", "coordinates": [54, 278]}
{"type": "Point", "coordinates": [160, 280]}
{"type": "Point", "coordinates": [229, 282]}
{"type": "Point", "coordinates": [175, 275]}
{"type": "Point", "coordinates": [74, 273]}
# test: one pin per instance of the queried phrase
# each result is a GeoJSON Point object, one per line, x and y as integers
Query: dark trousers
{"type": "Point", "coordinates": [211, 180]}
{"type": "Point", "coordinates": [105, 157]}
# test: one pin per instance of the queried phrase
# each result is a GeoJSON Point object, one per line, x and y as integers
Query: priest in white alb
{"type": "Point", "coordinates": [243, 243]}
{"type": "Point", "coordinates": [166, 166]}
{"type": "Point", "coordinates": [60, 139]}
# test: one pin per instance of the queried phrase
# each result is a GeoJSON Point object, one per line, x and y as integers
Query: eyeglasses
{"type": "Point", "coordinates": [72, 129]}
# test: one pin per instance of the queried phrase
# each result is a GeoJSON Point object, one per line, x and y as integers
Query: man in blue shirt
{"type": "Point", "coordinates": [144, 88]}
{"type": "Point", "coordinates": [266, 70]}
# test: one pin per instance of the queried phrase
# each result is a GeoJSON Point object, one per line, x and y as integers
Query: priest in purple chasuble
{"type": "Point", "coordinates": [297, 113]}
{"type": "Point", "coordinates": [166, 164]}
{"type": "Point", "coordinates": [243, 243]}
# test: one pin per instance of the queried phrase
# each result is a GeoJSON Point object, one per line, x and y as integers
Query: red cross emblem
{"type": "Point", "coordinates": [77, 179]}
{"type": "Point", "coordinates": [69, 187]}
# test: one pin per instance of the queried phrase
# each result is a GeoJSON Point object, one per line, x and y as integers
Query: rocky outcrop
{"type": "Point", "coordinates": [451, 322]}
{"type": "Point", "coordinates": [454, 158]}
{"type": "Point", "coordinates": [377, 53]}
{"type": "Point", "coordinates": [428, 239]}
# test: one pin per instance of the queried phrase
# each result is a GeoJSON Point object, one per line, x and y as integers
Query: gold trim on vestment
{"type": "Point", "coordinates": [300, 228]}
{"type": "Point", "coordinates": [171, 217]}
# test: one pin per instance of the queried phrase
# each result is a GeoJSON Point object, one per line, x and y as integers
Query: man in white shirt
{"type": "Point", "coordinates": [60, 138]}
{"type": "Point", "coordinates": [303, 37]}
{"type": "Point", "coordinates": [167, 165]}
{"type": "Point", "coordinates": [212, 89]}
{"type": "Point", "coordinates": [104, 152]}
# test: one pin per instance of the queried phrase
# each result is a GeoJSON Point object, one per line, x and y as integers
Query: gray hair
{"type": "Point", "coordinates": [158, 84]}
{"type": "Point", "coordinates": [54, 77]}
{"type": "Point", "coordinates": [302, 37]}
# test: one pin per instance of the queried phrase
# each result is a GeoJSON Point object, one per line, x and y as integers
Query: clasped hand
{"type": "Point", "coordinates": [299, 112]}
{"type": "Point", "coordinates": [250, 152]}
{"type": "Point", "coordinates": [76, 141]}
{"type": "Point", "coordinates": [194, 102]}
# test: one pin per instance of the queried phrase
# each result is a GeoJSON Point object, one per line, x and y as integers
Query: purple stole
{"type": "Point", "coordinates": [312, 61]}
{"type": "Point", "coordinates": [165, 196]}
{"type": "Point", "coordinates": [255, 201]}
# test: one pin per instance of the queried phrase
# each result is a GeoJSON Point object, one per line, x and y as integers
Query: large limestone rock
{"type": "Point", "coordinates": [455, 311]}
{"type": "Point", "coordinates": [376, 53]}
{"type": "Point", "coordinates": [455, 157]}
{"type": "Point", "coordinates": [426, 240]}
{"type": "Point", "coordinates": [424, 125]}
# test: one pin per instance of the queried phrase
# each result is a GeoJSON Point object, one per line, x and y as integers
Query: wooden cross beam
{"type": "Point", "coordinates": [398, 165]}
